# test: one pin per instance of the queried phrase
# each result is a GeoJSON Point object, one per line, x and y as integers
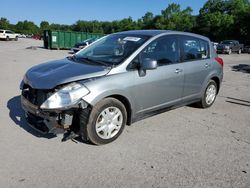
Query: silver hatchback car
{"type": "Point", "coordinates": [119, 79]}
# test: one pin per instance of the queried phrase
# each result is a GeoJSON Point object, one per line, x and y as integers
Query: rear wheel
{"type": "Point", "coordinates": [7, 38]}
{"type": "Point", "coordinates": [106, 121]}
{"type": "Point", "coordinates": [209, 95]}
{"type": "Point", "coordinates": [16, 39]}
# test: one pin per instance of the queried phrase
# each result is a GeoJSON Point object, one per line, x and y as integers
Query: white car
{"type": "Point", "coordinates": [215, 44]}
{"type": "Point", "coordinates": [8, 35]}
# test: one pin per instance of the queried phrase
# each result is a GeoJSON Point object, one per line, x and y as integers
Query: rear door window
{"type": "Point", "coordinates": [191, 49]}
{"type": "Point", "coordinates": [9, 32]}
{"type": "Point", "coordinates": [194, 49]}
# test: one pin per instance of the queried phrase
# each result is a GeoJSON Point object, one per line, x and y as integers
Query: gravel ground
{"type": "Point", "coordinates": [186, 147]}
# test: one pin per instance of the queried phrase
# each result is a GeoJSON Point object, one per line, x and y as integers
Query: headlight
{"type": "Point", "coordinates": [67, 96]}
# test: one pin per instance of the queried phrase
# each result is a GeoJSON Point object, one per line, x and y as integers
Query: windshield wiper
{"type": "Point", "coordinates": [93, 61]}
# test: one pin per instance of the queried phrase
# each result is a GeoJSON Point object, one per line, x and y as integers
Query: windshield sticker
{"type": "Point", "coordinates": [133, 39]}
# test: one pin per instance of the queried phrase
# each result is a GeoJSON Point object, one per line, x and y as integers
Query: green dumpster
{"type": "Point", "coordinates": [65, 39]}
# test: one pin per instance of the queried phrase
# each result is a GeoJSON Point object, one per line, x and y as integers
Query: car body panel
{"type": "Point", "coordinates": [52, 74]}
{"type": "Point", "coordinates": [195, 76]}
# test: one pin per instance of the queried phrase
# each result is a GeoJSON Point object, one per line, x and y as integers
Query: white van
{"type": "Point", "coordinates": [8, 35]}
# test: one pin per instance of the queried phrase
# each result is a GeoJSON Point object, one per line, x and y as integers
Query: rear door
{"type": "Point", "coordinates": [195, 55]}
{"type": "Point", "coordinates": [163, 86]}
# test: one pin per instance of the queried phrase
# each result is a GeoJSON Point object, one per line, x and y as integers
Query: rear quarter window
{"type": "Point", "coordinates": [204, 45]}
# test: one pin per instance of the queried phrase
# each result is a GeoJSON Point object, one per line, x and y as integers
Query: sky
{"type": "Point", "coordinates": [69, 11]}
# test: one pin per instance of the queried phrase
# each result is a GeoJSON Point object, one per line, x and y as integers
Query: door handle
{"type": "Point", "coordinates": [206, 65]}
{"type": "Point", "coordinates": [177, 71]}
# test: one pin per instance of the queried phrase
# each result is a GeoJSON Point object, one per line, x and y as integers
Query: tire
{"type": "Point", "coordinates": [7, 38]}
{"type": "Point", "coordinates": [229, 52]}
{"type": "Point", "coordinates": [239, 52]}
{"type": "Point", "coordinates": [16, 39]}
{"type": "Point", "coordinates": [205, 102]}
{"type": "Point", "coordinates": [109, 116]}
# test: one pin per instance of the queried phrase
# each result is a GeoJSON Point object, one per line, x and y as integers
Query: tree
{"type": "Point", "coordinates": [147, 20]}
{"type": "Point", "coordinates": [44, 25]}
{"type": "Point", "coordinates": [221, 19]}
{"type": "Point", "coordinates": [240, 9]}
{"type": "Point", "coordinates": [176, 19]}
{"type": "Point", "coordinates": [4, 23]}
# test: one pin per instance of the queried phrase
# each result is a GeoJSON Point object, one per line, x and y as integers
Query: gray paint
{"type": "Point", "coordinates": [161, 87]}
{"type": "Point", "coordinates": [52, 74]}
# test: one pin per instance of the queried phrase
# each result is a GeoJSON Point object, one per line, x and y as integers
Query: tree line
{"type": "Point", "coordinates": [217, 19]}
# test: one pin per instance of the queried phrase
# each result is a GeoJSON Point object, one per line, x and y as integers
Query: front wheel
{"type": "Point", "coordinates": [209, 95]}
{"type": "Point", "coordinates": [106, 121]}
{"type": "Point", "coordinates": [239, 52]}
{"type": "Point", "coordinates": [229, 52]}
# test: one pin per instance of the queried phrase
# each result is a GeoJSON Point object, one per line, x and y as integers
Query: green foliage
{"type": "Point", "coordinates": [44, 25]}
{"type": "Point", "coordinates": [224, 19]}
{"type": "Point", "coordinates": [26, 27]}
{"type": "Point", "coordinates": [4, 23]}
{"type": "Point", "coordinates": [217, 19]}
{"type": "Point", "coordinates": [176, 19]}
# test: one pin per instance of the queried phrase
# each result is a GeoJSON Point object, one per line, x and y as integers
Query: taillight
{"type": "Point", "coordinates": [220, 61]}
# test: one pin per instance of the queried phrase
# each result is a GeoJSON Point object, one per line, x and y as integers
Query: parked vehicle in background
{"type": "Point", "coordinates": [215, 44]}
{"type": "Point", "coordinates": [230, 46]}
{"type": "Point", "coordinates": [29, 35]}
{"type": "Point", "coordinates": [21, 35]}
{"type": "Point", "coordinates": [81, 45]}
{"type": "Point", "coordinates": [37, 37]}
{"type": "Point", "coordinates": [8, 35]}
{"type": "Point", "coordinates": [246, 49]}
{"type": "Point", "coordinates": [120, 79]}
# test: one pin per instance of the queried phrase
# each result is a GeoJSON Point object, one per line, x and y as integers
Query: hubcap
{"type": "Point", "coordinates": [109, 122]}
{"type": "Point", "coordinates": [210, 94]}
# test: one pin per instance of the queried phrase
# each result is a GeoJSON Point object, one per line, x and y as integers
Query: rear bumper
{"type": "Point", "coordinates": [44, 122]}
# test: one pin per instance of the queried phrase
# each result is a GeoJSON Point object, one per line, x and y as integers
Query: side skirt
{"type": "Point", "coordinates": [151, 113]}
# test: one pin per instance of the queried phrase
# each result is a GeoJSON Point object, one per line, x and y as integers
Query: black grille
{"type": "Point", "coordinates": [35, 96]}
{"type": "Point", "coordinates": [37, 123]}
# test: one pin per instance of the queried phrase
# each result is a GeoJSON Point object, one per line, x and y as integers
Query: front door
{"type": "Point", "coordinates": [163, 86]}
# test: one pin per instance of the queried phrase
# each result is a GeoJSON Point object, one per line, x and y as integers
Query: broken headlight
{"type": "Point", "coordinates": [65, 97]}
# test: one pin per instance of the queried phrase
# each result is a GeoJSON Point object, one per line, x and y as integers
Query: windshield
{"type": "Point", "coordinates": [227, 42]}
{"type": "Point", "coordinates": [89, 40]}
{"type": "Point", "coordinates": [113, 49]}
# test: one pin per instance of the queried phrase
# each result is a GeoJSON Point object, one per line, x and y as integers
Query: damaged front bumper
{"type": "Point", "coordinates": [55, 122]}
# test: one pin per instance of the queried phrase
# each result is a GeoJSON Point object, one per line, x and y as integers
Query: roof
{"type": "Point", "coordinates": [144, 32]}
{"type": "Point", "coordinates": [152, 33]}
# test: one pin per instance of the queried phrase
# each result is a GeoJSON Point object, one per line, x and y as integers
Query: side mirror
{"type": "Point", "coordinates": [148, 64]}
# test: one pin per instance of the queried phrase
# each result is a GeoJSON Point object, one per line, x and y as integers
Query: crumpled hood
{"type": "Point", "coordinates": [49, 75]}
